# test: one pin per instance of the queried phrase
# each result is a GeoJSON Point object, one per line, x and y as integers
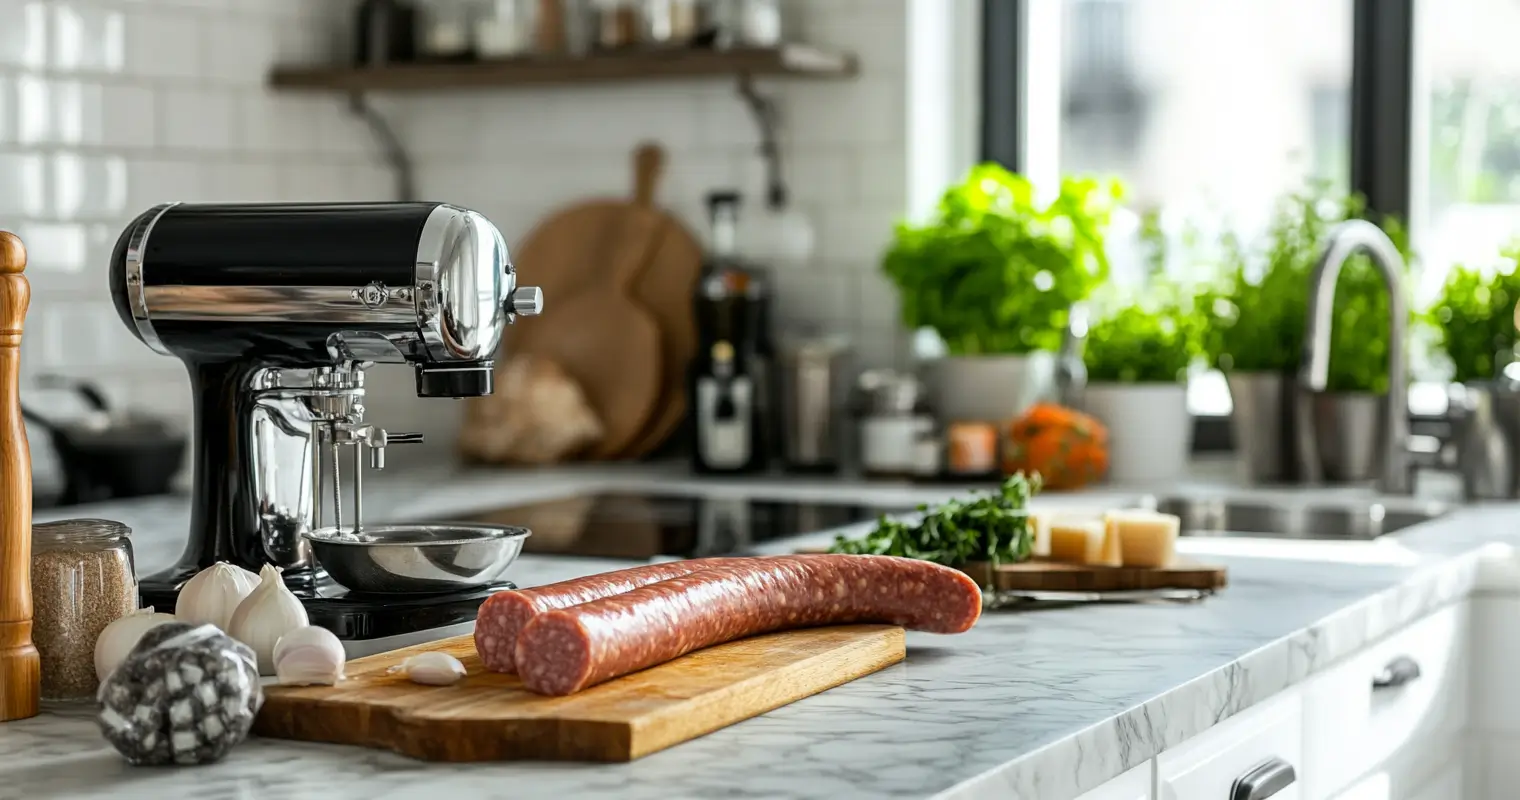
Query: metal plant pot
{"type": "Point", "coordinates": [1263, 425]}
{"type": "Point", "coordinates": [1348, 434]}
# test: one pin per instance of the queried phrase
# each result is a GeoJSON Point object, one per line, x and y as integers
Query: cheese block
{"type": "Point", "coordinates": [1141, 538]}
{"type": "Point", "coordinates": [1075, 540]}
{"type": "Point", "coordinates": [1039, 527]}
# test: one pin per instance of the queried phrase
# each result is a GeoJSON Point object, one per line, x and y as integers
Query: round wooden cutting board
{"type": "Point", "coordinates": [668, 287]}
{"type": "Point", "coordinates": [586, 259]}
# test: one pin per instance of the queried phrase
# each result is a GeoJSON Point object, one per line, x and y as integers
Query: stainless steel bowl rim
{"type": "Point", "coordinates": [484, 532]}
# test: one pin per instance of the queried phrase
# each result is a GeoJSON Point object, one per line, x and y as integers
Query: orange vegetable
{"type": "Point", "coordinates": [1068, 448]}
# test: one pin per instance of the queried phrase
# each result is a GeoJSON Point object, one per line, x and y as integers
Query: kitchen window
{"type": "Point", "coordinates": [1208, 111]}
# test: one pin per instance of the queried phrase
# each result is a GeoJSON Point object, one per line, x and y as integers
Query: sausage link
{"type": "Point", "coordinates": [502, 616]}
{"type": "Point", "coordinates": [563, 651]}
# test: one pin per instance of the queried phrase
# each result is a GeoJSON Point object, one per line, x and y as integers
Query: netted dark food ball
{"type": "Point", "coordinates": [184, 695]}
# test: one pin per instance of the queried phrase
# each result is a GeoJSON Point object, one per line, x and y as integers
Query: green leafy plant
{"type": "Point", "coordinates": [1148, 342]}
{"type": "Point", "coordinates": [990, 527]}
{"type": "Point", "coordinates": [1146, 336]}
{"type": "Point", "coordinates": [1474, 317]}
{"type": "Point", "coordinates": [994, 271]}
{"type": "Point", "coordinates": [1255, 317]}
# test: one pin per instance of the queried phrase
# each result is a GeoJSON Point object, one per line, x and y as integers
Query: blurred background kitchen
{"type": "Point", "coordinates": [735, 208]}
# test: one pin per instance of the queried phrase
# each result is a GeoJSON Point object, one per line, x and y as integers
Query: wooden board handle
{"type": "Point", "coordinates": [20, 673]}
{"type": "Point", "coordinates": [648, 165]}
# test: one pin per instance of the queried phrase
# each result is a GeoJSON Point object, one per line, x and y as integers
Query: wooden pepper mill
{"type": "Point", "coordinates": [20, 672]}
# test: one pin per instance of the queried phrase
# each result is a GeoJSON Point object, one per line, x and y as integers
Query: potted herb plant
{"type": "Point", "coordinates": [1255, 336]}
{"type": "Point", "coordinates": [1474, 319]}
{"type": "Point", "coordinates": [1137, 360]}
{"type": "Point", "coordinates": [995, 274]}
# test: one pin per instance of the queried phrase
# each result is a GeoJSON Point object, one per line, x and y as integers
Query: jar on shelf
{"type": "Point", "coordinates": [83, 579]}
{"type": "Point", "coordinates": [671, 22]}
{"type": "Point", "coordinates": [506, 28]}
{"type": "Point", "coordinates": [617, 24]}
{"type": "Point", "coordinates": [446, 31]}
{"type": "Point", "coordinates": [759, 23]}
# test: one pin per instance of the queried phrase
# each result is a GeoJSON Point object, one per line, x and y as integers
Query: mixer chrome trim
{"type": "Point", "coordinates": [137, 244]}
{"type": "Point", "coordinates": [463, 278]}
{"type": "Point", "coordinates": [271, 304]}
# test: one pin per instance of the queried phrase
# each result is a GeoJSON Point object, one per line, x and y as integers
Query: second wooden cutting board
{"type": "Point", "coordinates": [490, 717]}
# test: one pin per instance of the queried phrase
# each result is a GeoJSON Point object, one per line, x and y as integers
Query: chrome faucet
{"type": "Point", "coordinates": [1345, 240]}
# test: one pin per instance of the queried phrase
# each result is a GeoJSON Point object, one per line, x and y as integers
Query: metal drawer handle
{"type": "Point", "coordinates": [1264, 780]}
{"type": "Point", "coordinates": [1398, 672]}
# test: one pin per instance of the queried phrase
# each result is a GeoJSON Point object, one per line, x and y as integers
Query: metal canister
{"type": "Point", "coordinates": [811, 389]}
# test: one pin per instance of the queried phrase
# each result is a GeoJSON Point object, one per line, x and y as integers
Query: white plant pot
{"type": "Point", "coordinates": [1150, 433]}
{"type": "Point", "coordinates": [990, 388]}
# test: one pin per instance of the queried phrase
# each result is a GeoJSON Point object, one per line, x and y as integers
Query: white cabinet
{"type": "Point", "coordinates": [1404, 696]}
{"type": "Point", "coordinates": [1262, 742]}
{"type": "Point", "coordinates": [1132, 785]}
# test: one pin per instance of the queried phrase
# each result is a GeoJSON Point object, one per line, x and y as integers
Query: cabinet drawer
{"type": "Point", "coordinates": [1207, 766]}
{"type": "Point", "coordinates": [1411, 686]}
{"type": "Point", "coordinates": [1132, 785]}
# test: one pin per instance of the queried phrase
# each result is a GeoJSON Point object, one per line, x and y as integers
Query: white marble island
{"type": "Point", "coordinates": [1035, 704]}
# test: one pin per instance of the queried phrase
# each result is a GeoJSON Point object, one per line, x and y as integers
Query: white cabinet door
{"type": "Point", "coordinates": [1132, 785]}
{"type": "Point", "coordinates": [1404, 694]}
{"type": "Point", "coordinates": [1260, 745]}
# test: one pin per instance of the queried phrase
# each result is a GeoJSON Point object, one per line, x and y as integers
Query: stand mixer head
{"type": "Point", "coordinates": [276, 311]}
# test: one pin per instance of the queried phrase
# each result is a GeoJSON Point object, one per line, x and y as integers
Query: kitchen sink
{"type": "Point", "coordinates": [1223, 516]}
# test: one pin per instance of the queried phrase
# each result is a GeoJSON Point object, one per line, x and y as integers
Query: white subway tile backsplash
{"type": "Point", "coordinates": [196, 119]}
{"type": "Point", "coordinates": [877, 297]}
{"type": "Point", "coordinates": [54, 247]}
{"type": "Point", "coordinates": [88, 38]}
{"type": "Point", "coordinates": [23, 37]}
{"type": "Point", "coordinates": [78, 112]}
{"type": "Point", "coordinates": [130, 116]}
{"type": "Point", "coordinates": [242, 182]}
{"type": "Point", "coordinates": [34, 110]}
{"type": "Point", "coordinates": [23, 178]}
{"type": "Point", "coordinates": [154, 181]}
{"type": "Point", "coordinates": [7, 108]}
{"type": "Point", "coordinates": [239, 48]}
{"type": "Point", "coordinates": [89, 187]}
{"type": "Point", "coordinates": [310, 182]}
{"type": "Point", "coordinates": [162, 44]}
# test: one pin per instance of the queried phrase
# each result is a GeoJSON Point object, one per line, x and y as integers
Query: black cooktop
{"type": "Point", "coordinates": [649, 526]}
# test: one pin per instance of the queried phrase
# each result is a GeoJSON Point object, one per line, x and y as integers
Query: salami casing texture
{"type": "Point", "coordinates": [566, 650]}
{"type": "Point", "coordinates": [503, 615]}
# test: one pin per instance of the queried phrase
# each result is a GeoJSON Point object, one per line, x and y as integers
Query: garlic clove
{"type": "Point", "coordinates": [118, 638]}
{"type": "Point", "coordinates": [214, 594]}
{"type": "Point", "coordinates": [266, 614]}
{"type": "Point", "coordinates": [431, 669]}
{"type": "Point", "coordinates": [309, 656]}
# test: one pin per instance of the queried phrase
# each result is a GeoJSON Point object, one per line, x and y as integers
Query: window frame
{"type": "Point", "coordinates": [1382, 114]}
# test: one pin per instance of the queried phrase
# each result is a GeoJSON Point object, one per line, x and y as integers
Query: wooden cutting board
{"type": "Point", "coordinates": [586, 259]}
{"type": "Point", "coordinates": [490, 717]}
{"type": "Point", "coordinates": [1052, 576]}
{"type": "Point", "coordinates": [667, 288]}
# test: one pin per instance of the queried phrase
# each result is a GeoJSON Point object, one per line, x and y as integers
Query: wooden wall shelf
{"type": "Point", "coordinates": [788, 61]}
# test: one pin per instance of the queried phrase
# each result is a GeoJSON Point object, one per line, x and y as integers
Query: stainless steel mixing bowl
{"type": "Point", "coordinates": [417, 559]}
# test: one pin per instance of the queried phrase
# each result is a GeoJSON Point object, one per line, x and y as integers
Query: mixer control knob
{"type": "Point", "coordinates": [527, 301]}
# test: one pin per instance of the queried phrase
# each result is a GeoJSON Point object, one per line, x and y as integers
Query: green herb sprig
{"type": "Point", "coordinates": [990, 527]}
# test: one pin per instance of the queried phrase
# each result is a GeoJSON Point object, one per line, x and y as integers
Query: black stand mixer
{"type": "Point", "coordinates": [276, 311]}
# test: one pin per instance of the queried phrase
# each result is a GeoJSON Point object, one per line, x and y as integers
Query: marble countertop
{"type": "Point", "coordinates": [1032, 704]}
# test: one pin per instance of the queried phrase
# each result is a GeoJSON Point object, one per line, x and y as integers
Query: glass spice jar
{"type": "Point", "coordinates": [83, 579]}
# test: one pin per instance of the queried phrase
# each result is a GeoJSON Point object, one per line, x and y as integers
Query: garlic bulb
{"type": "Point", "coordinates": [432, 669]}
{"type": "Point", "coordinates": [214, 594]}
{"type": "Point", "coordinates": [309, 656]}
{"type": "Point", "coordinates": [267, 613]}
{"type": "Point", "coordinates": [118, 638]}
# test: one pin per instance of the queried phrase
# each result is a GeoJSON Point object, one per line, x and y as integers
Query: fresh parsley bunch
{"type": "Point", "coordinates": [985, 527]}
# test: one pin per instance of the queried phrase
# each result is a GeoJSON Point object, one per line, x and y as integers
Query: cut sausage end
{"type": "Point", "coordinates": [554, 652]}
